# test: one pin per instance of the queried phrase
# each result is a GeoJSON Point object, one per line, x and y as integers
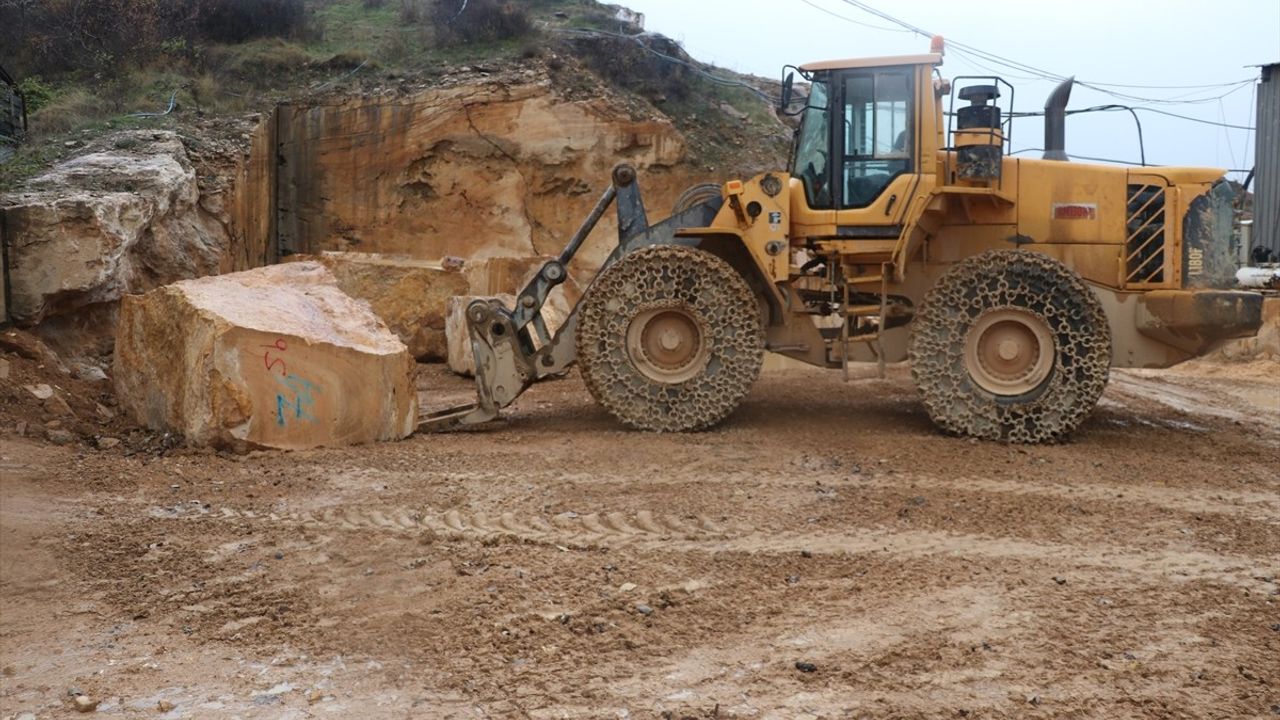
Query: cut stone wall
{"type": "Point", "coordinates": [474, 171]}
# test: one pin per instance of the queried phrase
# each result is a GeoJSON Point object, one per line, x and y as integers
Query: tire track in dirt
{"type": "Point", "coordinates": [562, 529]}
{"type": "Point", "coordinates": [647, 530]}
{"type": "Point", "coordinates": [1184, 395]}
{"type": "Point", "coordinates": [1256, 506]}
{"type": "Point", "coordinates": [1152, 565]}
{"type": "Point", "coordinates": [1260, 507]}
{"type": "Point", "coordinates": [964, 614]}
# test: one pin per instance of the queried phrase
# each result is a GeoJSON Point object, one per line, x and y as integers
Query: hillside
{"type": "Point", "coordinates": [206, 59]}
{"type": "Point", "coordinates": [242, 133]}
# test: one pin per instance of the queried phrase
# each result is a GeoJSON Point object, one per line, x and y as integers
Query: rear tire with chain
{"type": "Point", "coordinates": [669, 339]}
{"type": "Point", "coordinates": [1010, 345]}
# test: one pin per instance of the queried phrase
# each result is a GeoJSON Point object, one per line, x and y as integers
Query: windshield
{"type": "Point", "coordinates": [811, 147]}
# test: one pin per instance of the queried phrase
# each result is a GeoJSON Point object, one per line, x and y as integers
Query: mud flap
{"type": "Point", "coordinates": [1194, 320]}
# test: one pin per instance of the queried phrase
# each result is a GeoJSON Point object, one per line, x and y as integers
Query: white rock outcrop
{"type": "Point", "coordinates": [275, 357]}
{"type": "Point", "coordinates": [121, 220]}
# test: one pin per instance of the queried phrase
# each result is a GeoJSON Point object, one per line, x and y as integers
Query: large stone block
{"type": "Point", "coordinates": [509, 275]}
{"type": "Point", "coordinates": [275, 357]}
{"type": "Point", "coordinates": [409, 295]}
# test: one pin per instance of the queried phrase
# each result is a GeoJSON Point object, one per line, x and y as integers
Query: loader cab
{"type": "Point", "coordinates": [867, 132]}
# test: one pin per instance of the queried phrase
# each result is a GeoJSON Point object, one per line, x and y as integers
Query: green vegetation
{"type": "Point", "coordinates": [128, 56]}
{"type": "Point", "coordinates": [229, 56]}
{"type": "Point", "coordinates": [35, 92]}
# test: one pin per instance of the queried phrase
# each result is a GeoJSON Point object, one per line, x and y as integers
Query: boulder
{"type": "Point", "coordinates": [123, 219]}
{"type": "Point", "coordinates": [409, 295]}
{"type": "Point", "coordinates": [509, 275]}
{"type": "Point", "coordinates": [275, 357]}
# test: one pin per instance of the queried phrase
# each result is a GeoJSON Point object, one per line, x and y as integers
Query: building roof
{"type": "Point", "coordinates": [888, 61]}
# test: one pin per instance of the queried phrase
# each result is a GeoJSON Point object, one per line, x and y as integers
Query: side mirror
{"type": "Point", "coordinates": [787, 82]}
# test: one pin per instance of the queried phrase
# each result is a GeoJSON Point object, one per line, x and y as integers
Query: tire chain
{"type": "Point", "coordinates": [677, 277]}
{"type": "Point", "coordinates": [1032, 282]}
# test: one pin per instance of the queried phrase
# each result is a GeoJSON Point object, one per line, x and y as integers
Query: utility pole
{"type": "Point", "coordinates": [1266, 193]}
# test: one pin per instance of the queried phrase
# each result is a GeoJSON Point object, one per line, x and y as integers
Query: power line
{"type": "Point", "coordinates": [1045, 74]}
{"type": "Point", "coordinates": [1222, 112]}
{"type": "Point", "coordinates": [1196, 120]}
{"type": "Point", "coordinates": [1253, 99]}
{"type": "Point", "coordinates": [818, 7]}
{"type": "Point", "coordinates": [637, 39]}
{"type": "Point", "coordinates": [1138, 108]}
{"type": "Point", "coordinates": [1178, 100]}
{"type": "Point", "coordinates": [1176, 87]}
{"type": "Point", "coordinates": [969, 59]}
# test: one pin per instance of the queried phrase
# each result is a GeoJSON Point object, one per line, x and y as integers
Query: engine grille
{"type": "Point", "coordinates": [1145, 243]}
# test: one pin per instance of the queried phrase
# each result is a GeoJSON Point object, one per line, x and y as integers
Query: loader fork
{"type": "Point", "coordinates": [507, 358]}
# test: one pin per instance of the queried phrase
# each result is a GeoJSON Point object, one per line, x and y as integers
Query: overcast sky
{"type": "Point", "coordinates": [1171, 43]}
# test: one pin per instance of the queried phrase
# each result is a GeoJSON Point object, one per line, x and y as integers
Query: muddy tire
{"type": "Point", "coordinates": [1010, 345]}
{"type": "Point", "coordinates": [669, 339]}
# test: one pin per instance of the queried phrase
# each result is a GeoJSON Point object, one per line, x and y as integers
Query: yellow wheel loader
{"type": "Point", "coordinates": [900, 232]}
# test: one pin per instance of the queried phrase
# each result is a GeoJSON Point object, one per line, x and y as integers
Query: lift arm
{"type": "Point", "coordinates": [507, 358]}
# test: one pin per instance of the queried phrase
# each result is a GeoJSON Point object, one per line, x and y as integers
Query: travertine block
{"type": "Point", "coordinates": [275, 357]}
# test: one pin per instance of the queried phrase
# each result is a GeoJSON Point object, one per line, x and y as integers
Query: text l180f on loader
{"type": "Point", "coordinates": [1012, 284]}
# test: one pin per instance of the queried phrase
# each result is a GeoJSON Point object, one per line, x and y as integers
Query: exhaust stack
{"type": "Point", "coordinates": [1055, 121]}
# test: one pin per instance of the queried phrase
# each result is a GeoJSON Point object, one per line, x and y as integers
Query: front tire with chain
{"type": "Point", "coordinates": [669, 339]}
{"type": "Point", "coordinates": [1010, 345]}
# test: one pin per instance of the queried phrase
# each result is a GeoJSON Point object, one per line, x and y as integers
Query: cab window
{"type": "Point", "coordinates": [877, 134]}
{"type": "Point", "coordinates": [811, 163]}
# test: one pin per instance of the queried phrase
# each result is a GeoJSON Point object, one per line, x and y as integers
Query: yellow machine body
{"type": "Point", "coordinates": [899, 232]}
{"type": "Point", "coordinates": [1120, 228]}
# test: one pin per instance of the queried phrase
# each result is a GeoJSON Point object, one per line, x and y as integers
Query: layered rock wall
{"type": "Point", "coordinates": [474, 171]}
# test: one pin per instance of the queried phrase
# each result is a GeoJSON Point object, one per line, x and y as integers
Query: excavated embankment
{"type": "Point", "coordinates": [496, 169]}
{"type": "Point", "coordinates": [506, 166]}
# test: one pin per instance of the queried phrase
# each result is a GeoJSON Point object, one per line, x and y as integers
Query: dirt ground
{"type": "Point", "coordinates": [826, 553]}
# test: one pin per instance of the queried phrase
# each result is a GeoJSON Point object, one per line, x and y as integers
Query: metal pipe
{"type": "Point", "coordinates": [588, 225]}
{"type": "Point", "coordinates": [1055, 121]}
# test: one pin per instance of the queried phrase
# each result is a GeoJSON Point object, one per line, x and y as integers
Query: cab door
{"type": "Point", "coordinates": [875, 141]}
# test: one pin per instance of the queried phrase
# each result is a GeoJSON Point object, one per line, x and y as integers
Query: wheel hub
{"type": "Point", "coordinates": [666, 345]}
{"type": "Point", "coordinates": [1009, 352]}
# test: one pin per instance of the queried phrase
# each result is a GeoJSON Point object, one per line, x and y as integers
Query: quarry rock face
{"type": "Point", "coordinates": [477, 171]}
{"type": "Point", "coordinates": [122, 220]}
{"type": "Point", "coordinates": [409, 295]}
{"type": "Point", "coordinates": [275, 357]}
